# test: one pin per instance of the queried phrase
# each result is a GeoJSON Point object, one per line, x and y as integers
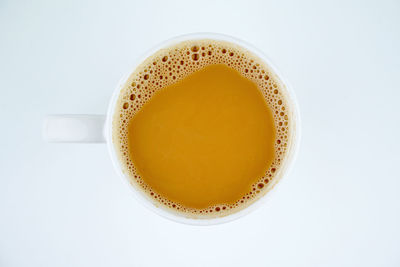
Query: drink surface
{"type": "Point", "coordinates": [202, 128]}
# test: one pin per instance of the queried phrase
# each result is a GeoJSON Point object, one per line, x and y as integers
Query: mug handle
{"type": "Point", "coordinates": [74, 129]}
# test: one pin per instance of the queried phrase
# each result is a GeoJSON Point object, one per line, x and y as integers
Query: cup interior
{"type": "Point", "coordinates": [177, 217]}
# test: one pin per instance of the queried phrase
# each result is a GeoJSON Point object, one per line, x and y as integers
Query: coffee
{"type": "Point", "coordinates": [203, 128]}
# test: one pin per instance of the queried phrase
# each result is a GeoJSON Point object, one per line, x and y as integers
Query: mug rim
{"type": "Point", "coordinates": [142, 197]}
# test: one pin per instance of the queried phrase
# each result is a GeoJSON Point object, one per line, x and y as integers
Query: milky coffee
{"type": "Point", "coordinates": [203, 128]}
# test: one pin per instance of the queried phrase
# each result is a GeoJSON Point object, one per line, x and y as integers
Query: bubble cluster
{"type": "Point", "coordinates": [172, 64]}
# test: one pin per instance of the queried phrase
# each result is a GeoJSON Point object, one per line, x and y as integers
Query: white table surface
{"type": "Point", "coordinates": [63, 205]}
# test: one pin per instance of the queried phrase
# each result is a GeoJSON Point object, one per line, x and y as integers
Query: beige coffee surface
{"type": "Point", "coordinates": [203, 128]}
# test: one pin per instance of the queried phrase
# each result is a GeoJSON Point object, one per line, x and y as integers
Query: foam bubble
{"type": "Point", "coordinates": [172, 64]}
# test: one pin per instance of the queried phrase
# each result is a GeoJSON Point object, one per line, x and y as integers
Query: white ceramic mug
{"type": "Point", "coordinates": [98, 129]}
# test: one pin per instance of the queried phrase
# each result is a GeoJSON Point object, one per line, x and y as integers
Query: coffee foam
{"type": "Point", "coordinates": [174, 63]}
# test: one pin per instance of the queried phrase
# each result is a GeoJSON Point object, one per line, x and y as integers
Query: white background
{"type": "Point", "coordinates": [63, 205]}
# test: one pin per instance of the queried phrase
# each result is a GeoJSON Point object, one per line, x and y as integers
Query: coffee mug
{"type": "Point", "coordinates": [98, 129]}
